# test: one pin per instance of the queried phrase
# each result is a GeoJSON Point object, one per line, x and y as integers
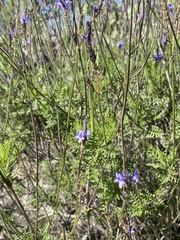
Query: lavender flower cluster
{"type": "Point", "coordinates": [81, 136]}
{"type": "Point", "coordinates": [124, 179]}
{"type": "Point", "coordinates": [158, 57]}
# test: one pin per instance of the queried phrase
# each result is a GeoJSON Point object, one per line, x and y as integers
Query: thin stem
{"type": "Point", "coordinates": [173, 102]}
{"type": "Point", "coordinates": [36, 147]}
{"type": "Point", "coordinates": [91, 107]}
{"type": "Point", "coordinates": [126, 90]}
{"type": "Point", "coordinates": [15, 199]}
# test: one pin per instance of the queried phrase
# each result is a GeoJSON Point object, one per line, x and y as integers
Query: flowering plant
{"type": "Point", "coordinates": [124, 179]}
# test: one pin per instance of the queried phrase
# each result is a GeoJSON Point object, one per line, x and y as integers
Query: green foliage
{"type": "Point", "coordinates": [8, 155]}
{"type": "Point", "coordinates": [133, 114]}
{"type": "Point", "coordinates": [141, 204]}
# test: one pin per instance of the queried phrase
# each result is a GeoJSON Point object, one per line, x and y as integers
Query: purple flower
{"type": "Point", "coordinates": [131, 229]}
{"type": "Point", "coordinates": [120, 44]}
{"type": "Point", "coordinates": [95, 10]}
{"type": "Point", "coordinates": [84, 36]}
{"type": "Point", "coordinates": [81, 136]}
{"type": "Point", "coordinates": [123, 9]}
{"type": "Point", "coordinates": [65, 4]}
{"type": "Point", "coordinates": [164, 41]}
{"type": "Point", "coordinates": [95, 203]}
{"type": "Point", "coordinates": [24, 18]}
{"type": "Point", "coordinates": [125, 178]}
{"type": "Point", "coordinates": [40, 1]}
{"type": "Point", "coordinates": [136, 176]}
{"type": "Point", "coordinates": [158, 57]}
{"type": "Point", "coordinates": [170, 7]}
{"type": "Point", "coordinates": [122, 179]}
{"type": "Point", "coordinates": [11, 34]}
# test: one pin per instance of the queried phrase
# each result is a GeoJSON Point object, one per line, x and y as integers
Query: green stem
{"type": "Point", "coordinates": [173, 101]}
{"type": "Point", "coordinates": [91, 107]}
{"type": "Point", "coordinates": [126, 91]}
{"type": "Point", "coordinates": [8, 225]}
{"type": "Point", "coordinates": [102, 118]}
{"type": "Point", "coordinates": [102, 52]}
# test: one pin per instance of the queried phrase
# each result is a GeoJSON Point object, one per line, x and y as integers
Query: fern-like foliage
{"type": "Point", "coordinates": [8, 157]}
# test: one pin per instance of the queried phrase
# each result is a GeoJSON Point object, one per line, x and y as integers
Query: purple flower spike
{"type": "Point", "coordinates": [136, 176]}
{"type": "Point", "coordinates": [120, 44]}
{"type": "Point", "coordinates": [170, 7]}
{"type": "Point", "coordinates": [24, 18]}
{"type": "Point", "coordinates": [80, 136]}
{"type": "Point", "coordinates": [158, 57]}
